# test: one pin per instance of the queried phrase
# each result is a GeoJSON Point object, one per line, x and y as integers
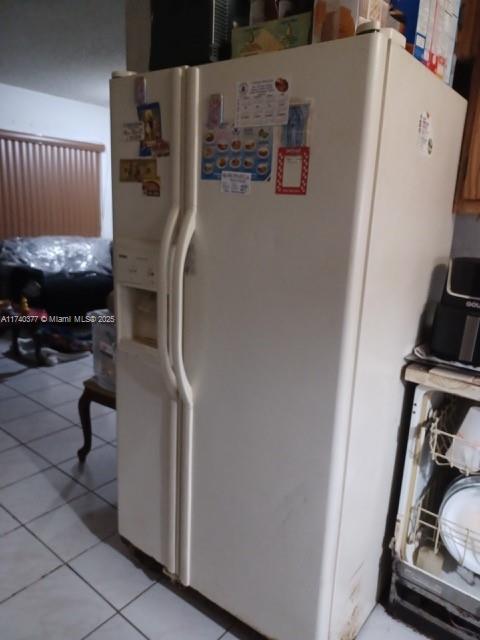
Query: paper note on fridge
{"type": "Point", "coordinates": [236, 182]}
{"type": "Point", "coordinates": [262, 102]}
{"type": "Point", "coordinates": [133, 131]}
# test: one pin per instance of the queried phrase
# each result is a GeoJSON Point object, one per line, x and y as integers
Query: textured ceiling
{"type": "Point", "coordinates": [66, 48]}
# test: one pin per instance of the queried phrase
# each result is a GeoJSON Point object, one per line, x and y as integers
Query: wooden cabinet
{"type": "Point", "coordinates": [467, 198]}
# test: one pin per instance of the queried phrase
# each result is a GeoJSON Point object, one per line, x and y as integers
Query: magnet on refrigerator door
{"type": "Point", "coordinates": [262, 102]}
{"type": "Point", "coordinates": [215, 110]}
{"type": "Point", "coordinates": [140, 90]}
{"type": "Point", "coordinates": [247, 150]}
{"type": "Point", "coordinates": [425, 134]}
{"type": "Point", "coordinates": [295, 132]}
{"type": "Point", "coordinates": [292, 170]}
{"type": "Point", "coordinates": [152, 143]}
{"type": "Point", "coordinates": [137, 170]}
{"type": "Point", "coordinates": [151, 187]}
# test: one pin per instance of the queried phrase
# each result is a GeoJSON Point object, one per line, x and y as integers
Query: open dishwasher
{"type": "Point", "coordinates": [436, 548]}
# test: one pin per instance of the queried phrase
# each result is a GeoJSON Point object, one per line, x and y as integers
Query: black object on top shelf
{"type": "Point", "coordinates": [192, 32]}
{"type": "Point", "coordinates": [456, 326]}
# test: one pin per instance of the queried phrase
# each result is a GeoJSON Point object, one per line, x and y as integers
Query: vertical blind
{"type": "Point", "coordinates": [48, 186]}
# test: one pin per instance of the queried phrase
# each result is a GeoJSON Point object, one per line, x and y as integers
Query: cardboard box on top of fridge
{"type": "Point", "coordinates": [436, 34]}
{"type": "Point", "coordinates": [334, 19]}
{"type": "Point", "coordinates": [273, 35]}
{"type": "Point", "coordinates": [407, 11]}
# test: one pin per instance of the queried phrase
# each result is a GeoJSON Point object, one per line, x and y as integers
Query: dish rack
{"type": "Point", "coordinates": [443, 426]}
{"type": "Point", "coordinates": [430, 588]}
{"type": "Point", "coordinates": [427, 525]}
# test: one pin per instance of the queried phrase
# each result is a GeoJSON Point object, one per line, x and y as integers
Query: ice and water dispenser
{"type": "Point", "coordinates": [136, 273]}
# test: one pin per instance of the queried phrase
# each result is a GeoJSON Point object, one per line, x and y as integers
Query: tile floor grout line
{"type": "Point", "coordinates": [120, 611]}
{"type": "Point", "coordinates": [64, 563]}
{"type": "Point", "coordinates": [89, 634]}
{"type": "Point", "coordinates": [100, 486]}
{"type": "Point", "coordinates": [21, 393]}
{"type": "Point", "coordinates": [116, 609]}
{"type": "Point", "coordinates": [13, 446]}
{"type": "Point", "coordinates": [46, 435]}
{"type": "Point", "coordinates": [39, 371]}
{"type": "Point", "coordinates": [117, 613]}
{"type": "Point", "coordinates": [40, 455]}
{"type": "Point", "coordinates": [88, 490]}
{"type": "Point", "coordinates": [64, 428]}
{"type": "Point", "coordinates": [12, 515]}
{"type": "Point", "coordinates": [111, 535]}
{"type": "Point", "coordinates": [75, 456]}
{"type": "Point", "coordinates": [46, 367]}
{"type": "Point", "coordinates": [75, 423]}
{"type": "Point", "coordinates": [25, 525]}
{"type": "Point", "coordinates": [30, 475]}
{"type": "Point", "coordinates": [71, 478]}
{"type": "Point", "coordinates": [79, 481]}
{"type": "Point", "coordinates": [49, 386]}
{"type": "Point", "coordinates": [131, 623]}
{"type": "Point", "coordinates": [26, 415]}
{"type": "Point", "coordinates": [42, 406]}
{"type": "Point", "coordinates": [12, 436]}
{"type": "Point", "coordinates": [65, 502]}
{"type": "Point", "coordinates": [5, 533]}
{"type": "Point", "coordinates": [45, 513]}
{"type": "Point", "coordinates": [63, 461]}
{"type": "Point", "coordinates": [45, 575]}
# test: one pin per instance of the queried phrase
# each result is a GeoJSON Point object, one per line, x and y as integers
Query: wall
{"type": "Point", "coordinates": [42, 114]}
{"type": "Point", "coordinates": [64, 48]}
{"type": "Point", "coordinates": [466, 238]}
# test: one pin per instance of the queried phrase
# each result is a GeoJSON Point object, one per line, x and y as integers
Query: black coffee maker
{"type": "Point", "coordinates": [456, 326]}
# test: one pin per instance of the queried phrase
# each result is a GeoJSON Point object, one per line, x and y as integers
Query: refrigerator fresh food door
{"type": "Point", "coordinates": [272, 296]}
{"type": "Point", "coordinates": [146, 118]}
{"type": "Point", "coordinates": [410, 239]}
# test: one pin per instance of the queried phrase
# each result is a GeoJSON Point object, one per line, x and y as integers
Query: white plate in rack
{"type": "Point", "coordinates": [459, 522]}
{"type": "Point", "coordinates": [464, 452]}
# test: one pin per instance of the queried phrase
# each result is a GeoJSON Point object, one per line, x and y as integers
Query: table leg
{"type": "Point", "coordinates": [15, 334]}
{"type": "Point", "coordinates": [84, 411]}
{"type": "Point", "coordinates": [37, 341]}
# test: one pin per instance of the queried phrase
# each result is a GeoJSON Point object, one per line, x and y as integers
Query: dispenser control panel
{"type": "Point", "coordinates": [136, 265]}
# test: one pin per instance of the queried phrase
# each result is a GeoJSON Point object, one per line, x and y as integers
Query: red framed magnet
{"type": "Point", "coordinates": [292, 170]}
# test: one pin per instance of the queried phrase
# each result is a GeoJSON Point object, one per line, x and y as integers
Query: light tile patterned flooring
{"type": "Point", "coordinates": [64, 572]}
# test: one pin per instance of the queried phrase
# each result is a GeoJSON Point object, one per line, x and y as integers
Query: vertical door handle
{"type": "Point", "coordinates": [163, 299]}
{"type": "Point", "coordinates": [185, 390]}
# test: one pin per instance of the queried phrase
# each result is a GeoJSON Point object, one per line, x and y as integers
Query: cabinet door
{"type": "Point", "coordinates": [467, 200]}
{"type": "Point", "coordinates": [468, 185]}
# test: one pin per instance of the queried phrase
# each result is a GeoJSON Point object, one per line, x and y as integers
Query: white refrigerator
{"type": "Point", "coordinates": [269, 281]}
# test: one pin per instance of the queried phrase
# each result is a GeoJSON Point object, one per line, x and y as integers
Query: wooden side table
{"type": "Point", "coordinates": [92, 392]}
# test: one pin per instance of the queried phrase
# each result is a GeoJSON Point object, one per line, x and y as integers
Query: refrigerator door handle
{"type": "Point", "coordinates": [185, 390]}
{"type": "Point", "coordinates": [164, 261]}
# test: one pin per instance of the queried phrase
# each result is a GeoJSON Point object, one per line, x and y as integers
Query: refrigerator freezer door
{"type": "Point", "coordinates": [136, 215]}
{"type": "Point", "coordinates": [409, 246]}
{"type": "Point", "coordinates": [272, 302]}
{"type": "Point", "coordinates": [146, 449]}
{"type": "Point", "coordinates": [145, 221]}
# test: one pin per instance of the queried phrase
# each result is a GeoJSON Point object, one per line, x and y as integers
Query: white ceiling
{"type": "Point", "coordinates": [65, 48]}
